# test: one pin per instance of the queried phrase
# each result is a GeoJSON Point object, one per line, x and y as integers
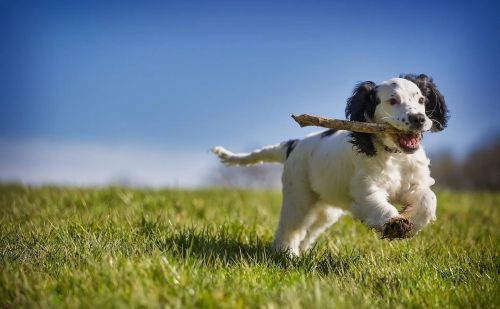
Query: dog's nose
{"type": "Point", "coordinates": [416, 121]}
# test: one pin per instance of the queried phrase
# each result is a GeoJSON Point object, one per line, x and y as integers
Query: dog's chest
{"type": "Point", "coordinates": [398, 175]}
{"type": "Point", "coordinates": [391, 178]}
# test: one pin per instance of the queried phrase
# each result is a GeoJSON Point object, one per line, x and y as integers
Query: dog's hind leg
{"type": "Point", "coordinates": [297, 214]}
{"type": "Point", "coordinates": [325, 217]}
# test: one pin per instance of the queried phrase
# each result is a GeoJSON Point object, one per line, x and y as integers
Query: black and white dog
{"type": "Point", "coordinates": [330, 171]}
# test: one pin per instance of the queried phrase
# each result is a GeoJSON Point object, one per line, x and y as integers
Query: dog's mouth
{"type": "Point", "coordinates": [408, 142]}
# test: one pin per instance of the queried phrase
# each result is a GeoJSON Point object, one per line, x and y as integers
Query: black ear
{"type": "Point", "coordinates": [435, 107]}
{"type": "Point", "coordinates": [361, 107]}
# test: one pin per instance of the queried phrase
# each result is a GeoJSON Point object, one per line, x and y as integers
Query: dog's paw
{"type": "Point", "coordinates": [397, 228]}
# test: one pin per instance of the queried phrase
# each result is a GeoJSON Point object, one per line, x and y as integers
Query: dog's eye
{"type": "Point", "coordinates": [393, 101]}
{"type": "Point", "coordinates": [421, 100]}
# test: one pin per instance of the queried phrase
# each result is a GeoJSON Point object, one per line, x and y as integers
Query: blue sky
{"type": "Point", "coordinates": [171, 79]}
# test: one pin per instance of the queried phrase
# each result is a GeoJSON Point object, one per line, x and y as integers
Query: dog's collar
{"type": "Point", "coordinates": [391, 150]}
{"type": "Point", "coordinates": [387, 148]}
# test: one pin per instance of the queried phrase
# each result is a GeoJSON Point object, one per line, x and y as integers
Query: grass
{"type": "Point", "coordinates": [118, 247]}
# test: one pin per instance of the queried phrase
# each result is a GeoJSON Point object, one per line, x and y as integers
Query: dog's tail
{"type": "Point", "coordinates": [274, 153]}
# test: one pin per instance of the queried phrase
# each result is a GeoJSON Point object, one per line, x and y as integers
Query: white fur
{"type": "Point", "coordinates": [325, 175]}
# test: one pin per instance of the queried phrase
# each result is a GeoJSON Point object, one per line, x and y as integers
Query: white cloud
{"type": "Point", "coordinates": [71, 163]}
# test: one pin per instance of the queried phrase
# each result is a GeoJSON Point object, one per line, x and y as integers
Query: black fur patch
{"type": "Point", "coordinates": [435, 106]}
{"type": "Point", "coordinates": [360, 105]}
{"type": "Point", "coordinates": [328, 132]}
{"type": "Point", "coordinates": [363, 143]}
{"type": "Point", "coordinates": [290, 145]}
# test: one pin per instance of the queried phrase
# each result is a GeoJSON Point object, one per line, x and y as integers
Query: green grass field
{"type": "Point", "coordinates": [118, 247]}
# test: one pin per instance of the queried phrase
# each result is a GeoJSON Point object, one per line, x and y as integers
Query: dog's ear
{"type": "Point", "coordinates": [361, 107]}
{"type": "Point", "coordinates": [435, 106]}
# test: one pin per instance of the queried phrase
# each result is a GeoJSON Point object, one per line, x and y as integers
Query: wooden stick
{"type": "Point", "coordinates": [305, 120]}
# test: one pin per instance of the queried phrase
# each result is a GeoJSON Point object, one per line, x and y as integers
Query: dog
{"type": "Point", "coordinates": [331, 171]}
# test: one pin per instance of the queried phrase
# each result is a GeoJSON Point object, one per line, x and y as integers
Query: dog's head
{"type": "Point", "coordinates": [410, 103]}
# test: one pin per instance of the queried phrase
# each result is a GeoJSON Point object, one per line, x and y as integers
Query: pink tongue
{"type": "Point", "coordinates": [409, 141]}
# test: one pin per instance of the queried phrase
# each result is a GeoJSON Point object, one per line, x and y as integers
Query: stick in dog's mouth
{"type": "Point", "coordinates": [407, 137]}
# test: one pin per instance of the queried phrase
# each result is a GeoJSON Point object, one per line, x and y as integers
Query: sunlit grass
{"type": "Point", "coordinates": [113, 247]}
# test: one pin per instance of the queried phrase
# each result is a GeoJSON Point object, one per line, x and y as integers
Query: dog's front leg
{"type": "Point", "coordinates": [374, 210]}
{"type": "Point", "coordinates": [371, 206]}
{"type": "Point", "coordinates": [420, 207]}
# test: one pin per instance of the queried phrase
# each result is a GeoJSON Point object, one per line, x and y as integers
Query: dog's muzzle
{"type": "Point", "coordinates": [417, 121]}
